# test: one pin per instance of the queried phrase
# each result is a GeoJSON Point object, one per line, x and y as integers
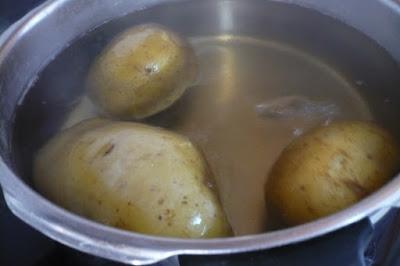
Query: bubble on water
{"type": "Point", "coordinates": [289, 107]}
{"type": "Point", "coordinates": [298, 131]}
{"type": "Point", "coordinates": [298, 113]}
{"type": "Point", "coordinates": [360, 83]}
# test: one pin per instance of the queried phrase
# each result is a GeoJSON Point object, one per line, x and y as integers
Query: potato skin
{"type": "Point", "coordinates": [131, 176]}
{"type": "Point", "coordinates": [144, 70]}
{"type": "Point", "coordinates": [329, 169]}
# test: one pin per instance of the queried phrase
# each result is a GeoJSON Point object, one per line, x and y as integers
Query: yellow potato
{"type": "Point", "coordinates": [131, 176]}
{"type": "Point", "coordinates": [329, 169]}
{"type": "Point", "coordinates": [141, 72]}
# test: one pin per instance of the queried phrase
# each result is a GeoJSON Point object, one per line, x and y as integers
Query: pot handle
{"type": "Point", "coordinates": [344, 247]}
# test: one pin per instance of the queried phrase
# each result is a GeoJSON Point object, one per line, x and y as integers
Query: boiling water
{"type": "Point", "coordinates": [222, 114]}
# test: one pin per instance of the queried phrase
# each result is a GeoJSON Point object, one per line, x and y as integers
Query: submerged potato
{"type": "Point", "coordinates": [131, 176]}
{"type": "Point", "coordinates": [141, 72]}
{"type": "Point", "coordinates": [329, 169]}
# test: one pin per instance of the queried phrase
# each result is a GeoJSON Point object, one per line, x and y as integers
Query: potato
{"type": "Point", "coordinates": [131, 176]}
{"type": "Point", "coordinates": [144, 70]}
{"type": "Point", "coordinates": [329, 169]}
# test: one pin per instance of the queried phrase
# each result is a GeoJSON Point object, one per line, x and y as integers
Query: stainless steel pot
{"type": "Point", "coordinates": [35, 40]}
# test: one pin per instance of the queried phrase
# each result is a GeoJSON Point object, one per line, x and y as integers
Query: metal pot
{"type": "Point", "coordinates": [33, 42]}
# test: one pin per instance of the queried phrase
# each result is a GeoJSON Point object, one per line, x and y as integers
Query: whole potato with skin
{"type": "Point", "coordinates": [141, 72]}
{"type": "Point", "coordinates": [329, 169]}
{"type": "Point", "coordinates": [131, 176]}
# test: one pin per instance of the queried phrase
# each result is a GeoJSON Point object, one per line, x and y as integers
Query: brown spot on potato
{"type": "Point", "coordinates": [344, 153]}
{"type": "Point", "coordinates": [169, 215]}
{"type": "Point", "coordinates": [311, 209]}
{"type": "Point", "coordinates": [336, 184]}
{"type": "Point", "coordinates": [120, 224]}
{"type": "Point", "coordinates": [184, 202]}
{"type": "Point", "coordinates": [160, 201]}
{"type": "Point", "coordinates": [148, 70]}
{"type": "Point", "coordinates": [354, 186]}
{"type": "Point", "coordinates": [369, 156]}
{"type": "Point", "coordinates": [159, 217]}
{"type": "Point", "coordinates": [107, 149]}
{"type": "Point", "coordinates": [302, 188]}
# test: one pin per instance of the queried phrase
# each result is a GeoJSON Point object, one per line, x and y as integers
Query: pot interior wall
{"type": "Point", "coordinates": [249, 52]}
